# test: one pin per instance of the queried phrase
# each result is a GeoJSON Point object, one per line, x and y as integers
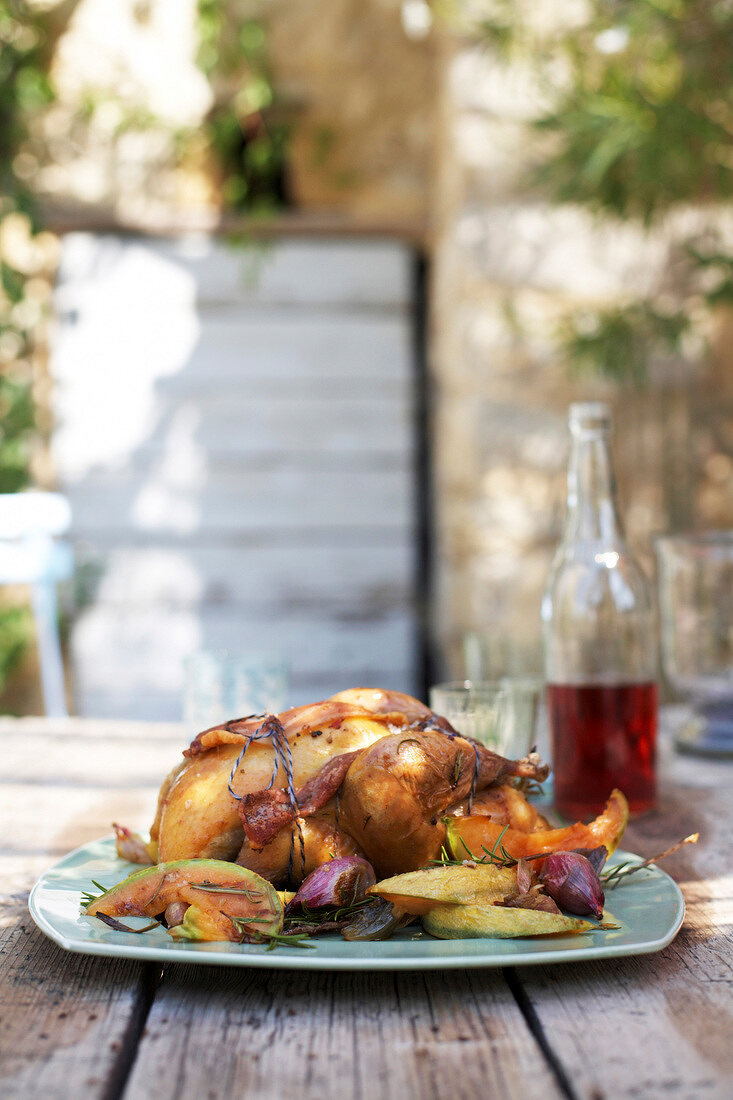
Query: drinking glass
{"type": "Point", "coordinates": [501, 714]}
{"type": "Point", "coordinates": [695, 579]}
{"type": "Point", "coordinates": [220, 685]}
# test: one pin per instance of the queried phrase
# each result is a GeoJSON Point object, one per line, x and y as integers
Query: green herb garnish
{"type": "Point", "coordinates": [612, 877]}
{"type": "Point", "coordinates": [273, 939]}
{"type": "Point", "coordinates": [87, 897]}
{"type": "Point", "coordinates": [211, 888]}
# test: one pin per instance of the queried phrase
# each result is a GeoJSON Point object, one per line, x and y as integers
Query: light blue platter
{"type": "Point", "coordinates": [649, 908]}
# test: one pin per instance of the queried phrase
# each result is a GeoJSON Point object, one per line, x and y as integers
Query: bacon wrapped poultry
{"type": "Point", "coordinates": [367, 772]}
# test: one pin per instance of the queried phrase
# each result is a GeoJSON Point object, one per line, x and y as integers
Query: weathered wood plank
{"type": "Point", "coordinates": [70, 1023]}
{"type": "Point", "coordinates": [262, 397]}
{"type": "Point", "coordinates": [332, 577]}
{"type": "Point", "coordinates": [170, 496]}
{"type": "Point", "coordinates": [131, 655]}
{"type": "Point", "coordinates": [154, 706]}
{"type": "Point", "coordinates": [72, 760]}
{"type": "Point", "coordinates": [65, 780]}
{"type": "Point", "coordinates": [245, 539]}
{"type": "Point", "coordinates": [660, 1025]}
{"type": "Point", "coordinates": [646, 1027]}
{"type": "Point", "coordinates": [105, 415]}
{"type": "Point", "coordinates": [239, 424]}
{"type": "Point", "coordinates": [158, 401]}
{"type": "Point", "coordinates": [57, 819]}
{"type": "Point", "coordinates": [304, 351]}
{"type": "Point", "coordinates": [51, 731]}
{"type": "Point", "coordinates": [215, 1033]}
{"type": "Point", "coordinates": [206, 270]}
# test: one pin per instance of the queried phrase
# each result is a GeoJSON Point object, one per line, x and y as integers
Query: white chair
{"type": "Point", "coordinates": [30, 553]}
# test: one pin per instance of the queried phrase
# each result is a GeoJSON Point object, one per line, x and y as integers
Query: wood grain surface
{"type": "Point", "coordinates": [653, 1026]}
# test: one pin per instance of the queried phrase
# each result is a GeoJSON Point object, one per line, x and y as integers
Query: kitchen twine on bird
{"type": "Point", "coordinates": [272, 730]}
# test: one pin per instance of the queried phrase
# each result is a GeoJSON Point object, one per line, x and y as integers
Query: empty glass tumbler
{"type": "Point", "coordinates": [501, 714]}
{"type": "Point", "coordinates": [695, 576]}
{"type": "Point", "coordinates": [220, 685]}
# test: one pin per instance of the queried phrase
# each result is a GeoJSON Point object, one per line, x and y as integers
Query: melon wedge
{"type": "Point", "coordinates": [225, 901]}
{"type": "Point", "coordinates": [477, 833]}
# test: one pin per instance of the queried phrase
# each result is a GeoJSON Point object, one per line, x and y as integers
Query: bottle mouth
{"type": "Point", "coordinates": [589, 416]}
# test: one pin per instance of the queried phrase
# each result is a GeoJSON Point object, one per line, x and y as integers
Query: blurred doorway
{"type": "Point", "coordinates": [241, 432]}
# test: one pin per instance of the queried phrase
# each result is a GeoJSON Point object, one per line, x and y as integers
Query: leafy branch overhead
{"type": "Point", "coordinates": [247, 128]}
{"type": "Point", "coordinates": [639, 127]}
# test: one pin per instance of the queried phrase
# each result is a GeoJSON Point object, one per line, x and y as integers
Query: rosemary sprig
{"type": "Point", "coordinates": [490, 856]}
{"type": "Point", "coordinates": [87, 897]}
{"type": "Point", "coordinates": [282, 939]}
{"type": "Point", "coordinates": [118, 926]}
{"type": "Point", "coordinates": [444, 859]}
{"type": "Point", "coordinates": [317, 917]}
{"type": "Point", "coordinates": [504, 859]}
{"type": "Point", "coordinates": [457, 769]}
{"type": "Point", "coordinates": [242, 891]}
{"type": "Point", "coordinates": [612, 877]}
{"type": "Point", "coordinates": [497, 855]}
{"type": "Point", "coordinates": [273, 939]}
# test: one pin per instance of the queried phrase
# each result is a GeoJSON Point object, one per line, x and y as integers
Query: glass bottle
{"type": "Point", "coordinates": [599, 634]}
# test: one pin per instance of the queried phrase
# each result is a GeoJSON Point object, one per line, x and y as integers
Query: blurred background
{"type": "Point", "coordinates": [295, 294]}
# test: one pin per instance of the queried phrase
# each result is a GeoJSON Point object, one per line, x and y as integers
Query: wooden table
{"type": "Point", "coordinates": [653, 1026]}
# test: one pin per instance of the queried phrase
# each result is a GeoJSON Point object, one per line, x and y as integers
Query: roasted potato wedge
{"type": "Point", "coordinates": [419, 891]}
{"type": "Point", "coordinates": [459, 922]}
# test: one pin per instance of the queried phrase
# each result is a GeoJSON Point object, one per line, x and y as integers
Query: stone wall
{"type": "Point", "coordinates": [364, 92]}
{"type": "Point", "coordinates": [506, 268]}
{"type": "Point", "coordinates": [359, 88]}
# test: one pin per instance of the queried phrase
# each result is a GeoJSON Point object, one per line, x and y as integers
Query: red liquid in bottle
{"type": "Point", "coordinates": [603, 736]}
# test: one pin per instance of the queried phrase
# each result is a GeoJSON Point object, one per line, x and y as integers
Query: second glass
{"type": "Point", "coordinates": [696, 604]}
{"type": "Point", "coordinates": [220, 685]}
{"type": "Point", "coordinates": [501, 714]}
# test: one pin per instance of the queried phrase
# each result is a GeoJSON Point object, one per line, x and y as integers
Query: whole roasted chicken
{"type": "Point", "coordinates": [366, 772]}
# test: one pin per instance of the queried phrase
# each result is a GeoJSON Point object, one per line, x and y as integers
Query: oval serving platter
{"type": "Point", "coordinates": [649, 909]}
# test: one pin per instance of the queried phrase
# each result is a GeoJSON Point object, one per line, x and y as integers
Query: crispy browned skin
{"type": "Point", "coordinates": [264, 813]}
{"type": "Point", "coordinates": [298, 721]}
{"type": "Point", "coordinates": [199, 817]}
{"type": "Point", "coordinates": [396, 790]}
{"type": "Point", "coordinates": [505, 805]}
{"type": "Point", "coordinates": [283, 861]}
{"type": "Point", "coordinates": [396, 787]}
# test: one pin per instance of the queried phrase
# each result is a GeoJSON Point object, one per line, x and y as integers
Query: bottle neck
{"type": "Point", "coordinates": [592, 514]}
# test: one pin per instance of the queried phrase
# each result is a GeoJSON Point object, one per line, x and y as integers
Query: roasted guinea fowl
{"type": "Point", "coordinates": [366, 772]}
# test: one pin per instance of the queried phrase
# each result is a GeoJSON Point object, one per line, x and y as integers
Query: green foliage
{"type": "Point", "coordinates": [646, 119]}
{"type": "Point", "coordinates": [24, 89]}
{"type": "Point", "coordinates": [16, 634]}
{"type": "Point", "coordinates": [245, 128]}
{"type": "Point", "coordinates": [620, 342]}
{"type": "Point", "coordinates": [641, 123]}
{"type": "Point", "coordinates": [17, 423]}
